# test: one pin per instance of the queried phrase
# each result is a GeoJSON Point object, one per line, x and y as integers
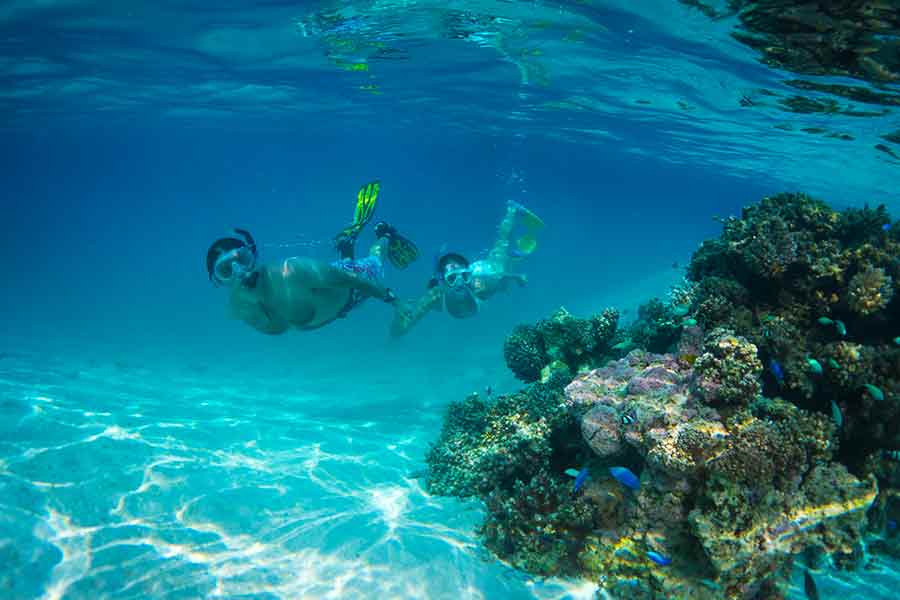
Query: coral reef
{"type": "Point", "coordinates": [730, 492]}
{"type": "Point", "coordinates": [488, 443]}
{"type": "Point", "coordinates": [756, 486]}
{"type": "Point", "coordinates": [562, 342]}
{"type": "Point", "coordinates": [756, 418]}
{"type": "Point", "coordinates": [821, 310]}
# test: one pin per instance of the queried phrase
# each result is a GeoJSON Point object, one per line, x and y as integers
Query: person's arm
{"type": "Point", "coordinates": [248, 306]}
{"type": "Point", "coordinates": [407, 314]}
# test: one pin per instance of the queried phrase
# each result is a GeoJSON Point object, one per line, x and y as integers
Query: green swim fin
{"type": "Point", "coordinates": [401, 251]}
{"type": "Point", "coordinates": [527, 243]}
{"type": "Point", "coordinates": [366, 200]}
{"type": "Point", "coordinates": [365, 204]}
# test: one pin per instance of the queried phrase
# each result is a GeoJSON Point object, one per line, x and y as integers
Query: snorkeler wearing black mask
{"type": "Point", "coordinates": [302, 292]}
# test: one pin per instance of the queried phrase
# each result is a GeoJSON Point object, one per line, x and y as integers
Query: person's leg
{"type": "Point", "coordinates": [499, 253]}
{"type": "Point", "coordinates": [377, 249]}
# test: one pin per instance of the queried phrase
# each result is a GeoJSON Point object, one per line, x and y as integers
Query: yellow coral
{"type": "Point", "coordinates": [870, 290]}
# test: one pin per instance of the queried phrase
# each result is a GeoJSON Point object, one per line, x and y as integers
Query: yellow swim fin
{"type": "Point", "coordinates": [366, 200]}
{"type": "Point", "coordinates": [365, 204]}
{"type": "Point", "coordinates": [532, 223]}
{"type": "Point", "coordinates": [401, 251]}
{"type": "Point", "coordinates": [526, 244]}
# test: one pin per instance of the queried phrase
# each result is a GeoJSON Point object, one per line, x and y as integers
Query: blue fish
{"type": "Point", "coordinates": [886, 227]}
{"type": "Point", "coordinates": [624, 476]}
{"type": "Point", "coordinates": [580, 479]}
{"type": "Point", "coordinates": [659, 558]}
{"type": "Point", "coordinates": [777, 371]}
{"type": "Point", "coordinates": [892, 525]}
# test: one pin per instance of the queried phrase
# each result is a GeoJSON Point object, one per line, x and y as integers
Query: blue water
{"type": "Point", "coordinates": [151, 447]}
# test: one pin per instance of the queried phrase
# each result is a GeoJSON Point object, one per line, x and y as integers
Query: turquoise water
{"type": "Point", "coordinates": [150, 447]}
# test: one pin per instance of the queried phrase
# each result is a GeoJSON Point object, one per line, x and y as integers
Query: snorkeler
{"type": "Point", "coordinates": [460, 286]}
{"type": "Point", "coordinates": [303, 292]}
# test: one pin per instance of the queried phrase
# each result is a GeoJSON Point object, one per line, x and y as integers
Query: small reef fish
{"type": "Point", "coordinates": [833, 364]}
{"type": "Point", "coordinates": [489, 391]}
{"type": "Point", "coordinates": [628, 418]}
{"type": "Point", "coordinates": [892, 454]}
{"type": "Point", "coordinates": [836, 414]}
{"type": "Point", "coordinates": [809, 585]}
{"type": "Point", "coordinates": [777, 371]}
{"type": "Point", "coordinates": [689, 322]}
{"type": "Point", "coordinates": [624, 476]}
{"type": "Point", "coordinates": [886, 227]}
{"type": "Point", "coordinates": [841, 328]}
{"type": "Point", "coordinates": [572, 472]}
{"type": "Point", "coordinates": [658, 558]}
{"type": "Point", "coordinates": [891, 525]}
{"type": "Point", "coordinates": [580, 479]}
{"type": "Point", "coordinates": [897, 340]}
{"type": "Point", "coordinates": [874, 391]}
{"type": "Point", "coordinates": [814, 366]}
{"type": "Point", "coordinates": [825, 321]}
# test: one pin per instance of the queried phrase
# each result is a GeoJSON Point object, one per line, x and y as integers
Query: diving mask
{"type": "Point", "coordinates": [235, 265]}
{"type": "Point", "coordinates": [458, 277]}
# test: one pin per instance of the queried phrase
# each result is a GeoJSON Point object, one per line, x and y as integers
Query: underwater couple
{"type": "Point", "coordinates": [306, 293]}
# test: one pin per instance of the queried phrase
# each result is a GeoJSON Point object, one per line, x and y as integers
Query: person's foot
{"type": "Point", "coordinates": [514, 206]}
{"type": "Point", "coordinates": [383, 230]}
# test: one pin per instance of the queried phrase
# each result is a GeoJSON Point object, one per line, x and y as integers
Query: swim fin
{"type": "Point", "coordinates": [365, 203]}
{"type": "Point", "coordinates": [527, 243]}
{"type": "Point", "coordinates": [401, 251]}
{"type": "Point", "coordinates": [366, 200]}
